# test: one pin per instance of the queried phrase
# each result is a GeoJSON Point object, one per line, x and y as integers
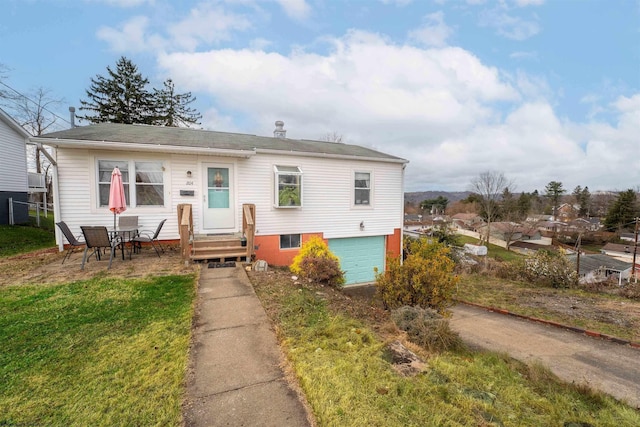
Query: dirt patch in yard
{"type": "Point", "coordinates": [45, 267]}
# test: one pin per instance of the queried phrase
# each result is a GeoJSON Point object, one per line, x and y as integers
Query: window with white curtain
{"type": "Point", "coordinates": [362, 188]}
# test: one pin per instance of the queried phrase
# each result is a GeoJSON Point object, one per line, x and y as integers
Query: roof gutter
{"type": "Point", "coordinates": [128, 146]}
{"type": "Point", "coordinates": [330, 156]}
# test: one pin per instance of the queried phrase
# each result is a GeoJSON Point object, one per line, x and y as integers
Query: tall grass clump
{"type": "Point", "coordinates": [426, 328]}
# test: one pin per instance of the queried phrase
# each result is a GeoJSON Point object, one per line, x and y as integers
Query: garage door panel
{"type": "Point", "coordinates": [359, 256]}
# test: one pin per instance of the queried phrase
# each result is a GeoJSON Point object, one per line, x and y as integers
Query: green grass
{"type": "Point", "coordinates": [347, 381]}
{"type": "Point", "coordinates": [16, 239]}
{"type": "Point", "coordinates": [100, 352]}
{"type": "Point", "coordinates": [493, 251]}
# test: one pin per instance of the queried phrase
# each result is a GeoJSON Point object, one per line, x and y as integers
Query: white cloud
{"type": "Point", "coordinates": [400, 3]}
{"type": "Point", "coordinates": [123, 3]}
{"type": "Point", "coordinates": [296, 9]}
{"type": "Point", "coordinates": [207, 24]}
{"type": "Point", "coordinates": [510, 26]}
{"type": "Point", "coordinates": [130, 37]}
{"type": "Point", "coordinates": [434, 32]}
{"type": "Point", "coordinates": [367, 77]}
{"type": "Point", "coordinates": [525, 3]}
{"type": "Point", "coordinates": [523, 55]}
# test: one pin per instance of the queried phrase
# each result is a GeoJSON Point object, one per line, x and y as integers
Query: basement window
{"type": "Point", "coordinates": [288, 186]}
{"type": "Point", "coordinates": [289, 241]}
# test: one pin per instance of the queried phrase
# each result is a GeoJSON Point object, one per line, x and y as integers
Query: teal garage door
{"type": "Point", "coordinates": [358, 256]}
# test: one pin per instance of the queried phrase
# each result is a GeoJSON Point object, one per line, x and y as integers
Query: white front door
{"type": "Point", "coordinates": [218, 199]}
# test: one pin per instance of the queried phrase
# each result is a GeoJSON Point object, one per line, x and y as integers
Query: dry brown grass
{"type": "Point", "coordinates": [45, 266]}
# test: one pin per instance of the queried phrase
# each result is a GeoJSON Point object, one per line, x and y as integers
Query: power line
{"type": "Point", "coordinates": [34, 102]}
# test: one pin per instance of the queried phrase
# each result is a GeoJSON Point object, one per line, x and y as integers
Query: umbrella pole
{"type": "Point", "coordinates": [114, 220]}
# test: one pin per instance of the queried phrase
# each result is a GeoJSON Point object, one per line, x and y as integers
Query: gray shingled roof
{"type": "Point", "coordinates": [591, 262]}
{"type": "Point", "coordinates": [185, 137]}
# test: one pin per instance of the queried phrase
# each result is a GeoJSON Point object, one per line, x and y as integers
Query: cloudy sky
{"type": "Point", "coordinates": [539, 90]}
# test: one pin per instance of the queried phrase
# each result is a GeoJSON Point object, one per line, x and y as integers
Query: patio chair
{"type": "Point", "coordinates": [127, 221]}
{"type": "Point", "coordinates": [73, 240]}
{"type": "Point", "coordinates": [147, 237]}
{"type": "Point", "coordinates": [97, 238]}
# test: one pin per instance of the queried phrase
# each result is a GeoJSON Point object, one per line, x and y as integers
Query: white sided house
{"type": "Point", "coordinates": [13, 170]}
{"type": "Point", "coordinates": [349, 195]}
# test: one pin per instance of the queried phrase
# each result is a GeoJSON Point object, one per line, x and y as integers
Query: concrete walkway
{"type": "Point", "coordinates": [235, 377]}
{"type": "Point", "coordinates": [601, 364]}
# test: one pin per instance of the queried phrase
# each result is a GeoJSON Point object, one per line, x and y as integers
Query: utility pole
{"type": "Point", "coordinates": [634, 268]}
{"type": "Point", "coordinates": [578, 256]}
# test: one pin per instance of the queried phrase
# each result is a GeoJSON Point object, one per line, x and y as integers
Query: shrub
{"type": "Point", "coordinates": [425, 279]}
{"type": "Point", "coordinates": [426, 328]}
{"type": "Point", "coordinates": [322, 270]}
{"type": "Point", "coordinates": [317, 263]}
{"type": "Point", "coordinates": [549, 269]}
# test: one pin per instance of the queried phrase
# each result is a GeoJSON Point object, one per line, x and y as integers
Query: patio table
{"type": "Point", "coordinates": [126, 233]}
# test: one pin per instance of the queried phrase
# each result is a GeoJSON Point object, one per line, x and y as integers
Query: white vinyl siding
{"type": "Point", "coordinates": [78, 187]}
{"type": "Point", "coordinates": [13, 162]}
{"type": "Point", "coordinates": [328, 197]}
{"type": "Point", "coordinates": [327, 187]}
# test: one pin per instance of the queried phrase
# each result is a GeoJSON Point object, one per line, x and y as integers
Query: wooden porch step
{"type": "Point", "coordinates": [218, 248]}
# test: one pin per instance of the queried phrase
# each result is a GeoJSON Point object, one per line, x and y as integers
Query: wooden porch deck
{"type": "Point", "coordinates": [221, 247]}
{"type": "Point", "coordinates": [216, 247]}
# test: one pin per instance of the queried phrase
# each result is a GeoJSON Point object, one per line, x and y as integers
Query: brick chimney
{"type": "Point", "coordinates": [280, 132]}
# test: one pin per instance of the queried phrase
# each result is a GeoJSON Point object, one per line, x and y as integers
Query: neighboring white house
{"type": "Point", "coordinates": [597, 267]}
{"type": "Point", "coordinates": [349, 195]}
{"type": "Point", "coordinates": [13, 169]}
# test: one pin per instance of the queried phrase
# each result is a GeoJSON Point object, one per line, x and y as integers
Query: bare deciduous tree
{"type": "Point", "coordinates": [489, 186]}
{"type": "Point", "coordinates": [332, 137]}
{"type": "Point", "coordinates": [34, 113]}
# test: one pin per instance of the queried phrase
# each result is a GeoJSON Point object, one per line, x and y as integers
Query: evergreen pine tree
{"type": "Point", "coordinates": [172, 109]}
{"type": "Point", "coordinates": [623, 211]}
{"type": "Point", "coordinates": [121, 97]}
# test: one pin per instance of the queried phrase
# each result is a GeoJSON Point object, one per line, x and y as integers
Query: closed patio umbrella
{"type": "Point", "coordinates": [117, 200]}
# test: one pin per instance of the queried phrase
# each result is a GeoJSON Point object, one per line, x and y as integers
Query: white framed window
{"type": "Point", "coordinates": [288, 186]}
{"type": "Point", "coordinates": [290, 241]}
{"type": "Point", "coordinates": [143, 180]}
{"type": "Point", "coordinates": [362, 188]}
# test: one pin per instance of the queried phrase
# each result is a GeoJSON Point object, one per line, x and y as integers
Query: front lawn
{"type": "Point", "coordinates": [15, 239]}
{"type": "Point", "coordinates": [101, 352]}
{"type": "Point", "coordinates": [336, 346]}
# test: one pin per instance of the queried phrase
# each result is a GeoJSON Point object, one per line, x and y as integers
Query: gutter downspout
{"type": "Point", "coordinates": [56, 205]}
{"type": "Point", "coordinates": [404, 167]}
{"type": "Point", "coordinates": [56, 192]}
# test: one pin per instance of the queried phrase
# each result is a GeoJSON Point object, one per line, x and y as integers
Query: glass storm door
{"type": "Point", "coordinates": [218, 210]}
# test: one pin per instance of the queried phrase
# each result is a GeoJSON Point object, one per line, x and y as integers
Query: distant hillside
{"type": "Point", "coordinates": [419, 196]}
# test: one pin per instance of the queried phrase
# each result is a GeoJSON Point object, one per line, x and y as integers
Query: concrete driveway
{"type": "Point", "coordinates": [603, 365]}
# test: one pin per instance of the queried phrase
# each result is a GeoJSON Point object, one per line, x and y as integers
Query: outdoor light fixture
{"type": "Point", "coordinates": [188, 174]}
{"type": "Point", "coordinates": [361, 225]}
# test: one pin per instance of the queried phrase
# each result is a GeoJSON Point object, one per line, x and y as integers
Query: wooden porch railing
{"type": "Point", "coordinates": [185, 228]}
{"type": "Point", "coordinates": [249, 227]}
